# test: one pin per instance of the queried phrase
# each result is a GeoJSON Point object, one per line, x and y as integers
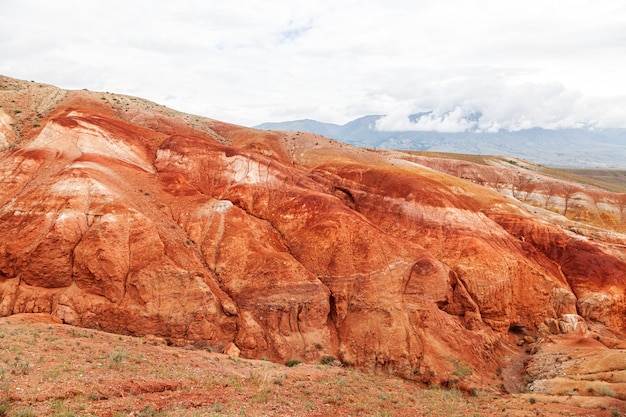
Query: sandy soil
{"type": "Point", "coordinates": [51, 369]}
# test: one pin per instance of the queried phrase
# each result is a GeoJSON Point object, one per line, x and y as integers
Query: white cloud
{"type": "Point", "coordinates": [504, 106]}
{"type": "Point", "coordinates": [455, 120]}
{"type": "Point", "coordinates": [520, 63]}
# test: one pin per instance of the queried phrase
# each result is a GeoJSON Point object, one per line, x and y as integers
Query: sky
{"type": "Point", "coordinates": [520, 64]}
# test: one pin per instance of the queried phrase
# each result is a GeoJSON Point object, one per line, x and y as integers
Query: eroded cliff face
{"type": "Point", "coordinates": [122, 215]}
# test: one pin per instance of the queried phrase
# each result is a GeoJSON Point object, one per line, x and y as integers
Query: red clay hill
{"type": "Point", "coordinates": [122, 215]}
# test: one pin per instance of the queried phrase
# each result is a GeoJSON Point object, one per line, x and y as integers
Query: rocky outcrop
{"type": "Point", "coordinates": [542, 189]}
{"type": "Point", "coordinates": [122, 215]}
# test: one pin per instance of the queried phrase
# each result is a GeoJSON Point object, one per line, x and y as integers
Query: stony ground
{"type": "Point", "coordinates": [49, 369]}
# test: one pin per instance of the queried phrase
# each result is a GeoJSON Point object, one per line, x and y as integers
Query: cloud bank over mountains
{"type": "Point", "coordinates": [464, 108]}
{"type": "Point", "coordinates": [520, 63]}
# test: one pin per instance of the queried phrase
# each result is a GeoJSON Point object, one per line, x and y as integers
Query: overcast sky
{"type": "Point", "coordinates": [521, 63]}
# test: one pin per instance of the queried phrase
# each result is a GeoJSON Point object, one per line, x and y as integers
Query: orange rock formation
{"type": "Point", "coordinates": [122, 215]}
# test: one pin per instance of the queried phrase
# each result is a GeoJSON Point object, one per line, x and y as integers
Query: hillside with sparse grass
{"type": "Point", "coordinates": [51, 369]}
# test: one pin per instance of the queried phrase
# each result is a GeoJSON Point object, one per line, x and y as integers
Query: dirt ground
{"type": "Point", "coordinates": [51, 369]}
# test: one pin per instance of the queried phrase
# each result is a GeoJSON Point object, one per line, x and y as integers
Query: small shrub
{"type": "Point", "coordinates": [60, 408]}
{"type": "Point", "coordinates": [4, 408]}
{"type": "Point", "coordinates": [532, 400]}
{"type": "Point", "coordinates": [460, 370]}
{"type": "Point", "coordinates": [262, 396]}
{"type": "Point", "coordinates": [604, 390]}
{"type": "Point", "coordinates": [17, 111]}
{"type": "Point", "coordinates": [118, 356]}
{"type": "Point", "coordinates": [149, 412]}
{"type": "Point", "coordinates": [292, 363]}
{"type": "Point", "coordinates": [327, 360]}
{"type": "Point", "coordinates": [255, 378]}
{"type": "Point", "coordinates": [4, 385]}
{"type": "Point", "coordinates": [25, 412]}
{"type": "Point", "coordinates": [51, 375]}
{"type": "Point", "coordinates": [20, 367]}
{"type": "Point", "coordinates": [94, 396]}
{"type": "Point", "coordinates": [80, 333]}
{"type": "Point", "coordinates": [615, 412]}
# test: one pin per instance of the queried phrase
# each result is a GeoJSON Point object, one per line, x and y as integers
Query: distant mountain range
{"type": "Point", "coordinates": [580, 148]}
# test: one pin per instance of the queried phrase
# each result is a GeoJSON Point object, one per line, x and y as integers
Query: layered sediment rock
{"type": "Point", "coordinates": [122, 215]}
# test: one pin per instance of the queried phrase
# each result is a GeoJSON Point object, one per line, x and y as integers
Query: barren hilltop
{"type": "Point", "coordinates": [478, 274]}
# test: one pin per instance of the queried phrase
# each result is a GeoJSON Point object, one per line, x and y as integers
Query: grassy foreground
{"type": "Point", "coordinates": [49, 369]}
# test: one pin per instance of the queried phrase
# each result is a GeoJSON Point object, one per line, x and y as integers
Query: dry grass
{"type": "Point", "coordinates": [609, 179]}
{"type": "Point", "coordinates": [604, 179]}
{"type": "Point", "coordinates": [475, 159]}
{"type": "Point", "coordinates": [58, 370]}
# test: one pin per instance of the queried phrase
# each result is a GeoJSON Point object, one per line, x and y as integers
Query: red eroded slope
{"type": "Point", "coordinates": [122, 215]}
